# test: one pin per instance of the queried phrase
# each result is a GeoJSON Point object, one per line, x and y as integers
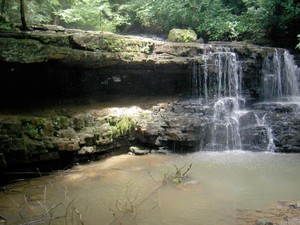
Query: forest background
{"type": "Point", "coordinates": [265, 22]}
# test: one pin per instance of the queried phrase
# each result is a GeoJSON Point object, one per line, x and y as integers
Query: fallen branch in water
{"type": "Point", "coordinates": [129, 212]}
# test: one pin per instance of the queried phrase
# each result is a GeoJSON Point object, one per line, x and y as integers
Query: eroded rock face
{"type": "Point", "coordinates": [181, 125]}
{"type": "Point", "coordinates": [61, 63]}
{"type": "Point", "coordinates": [61, 66]}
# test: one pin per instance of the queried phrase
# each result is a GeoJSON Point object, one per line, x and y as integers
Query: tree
{"type": "Point", "coordinates": [275, 20]}
{"type": "Point", "coordinates": [269, 22]}
{"type": "Point", "coordinates": [3, 4]}
{"type": "Point", "coordinates": [210, 18]}
{"type": "Point", "coordinates": [22, 13]}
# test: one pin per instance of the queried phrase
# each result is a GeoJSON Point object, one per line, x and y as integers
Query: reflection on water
{"type": "Point", "coordinates": [129, 190]}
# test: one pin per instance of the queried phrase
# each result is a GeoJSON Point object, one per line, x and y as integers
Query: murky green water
{"type": "Point", "coordinates": [128, 189]}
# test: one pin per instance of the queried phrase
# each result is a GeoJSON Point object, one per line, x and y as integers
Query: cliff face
{"type": "Point", "coordinates": [62, 63]}
{"type": "Point", "coordinates": [59, 67]}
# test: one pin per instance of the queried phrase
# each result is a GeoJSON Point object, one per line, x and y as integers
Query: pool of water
{"type": "Point", "coordinates": [128, 189]}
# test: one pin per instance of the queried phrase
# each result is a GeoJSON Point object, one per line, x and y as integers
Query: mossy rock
{"type": "Point", "coordinates": [5, 23]}
{"type": "Point", "coordinates": [34, 127]}
{"type": "Point", "coordinates": [61, 122]}
{"type": "Point", "coordinates": [182, 35]}
{"type": "Point", "coordinates": [11, 128]}
{"type": "Point", "coordinates": [78, 123]}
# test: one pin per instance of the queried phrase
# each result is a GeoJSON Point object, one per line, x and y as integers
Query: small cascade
{"type": "Point", "coordinates": [270, 139]}
{"type": "Point", "coordinates": [280, 77]}
{"type": "Point", "coordinates": [225, 132]}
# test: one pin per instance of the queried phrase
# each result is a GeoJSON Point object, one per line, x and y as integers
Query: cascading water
{"type": "Point", "coordinates": [262, 122]}
{"type": "Point", "coordinates": [280, 77]}
{"type": "Point", "coordinates": [225, 132]}
{"type": "Point", "coordinates": [217, 79]}
{"type": "Point", "coordinates": [220, 79]}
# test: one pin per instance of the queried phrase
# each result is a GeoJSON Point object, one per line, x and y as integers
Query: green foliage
{"type": "Point", "coordinates": [210, 18]}
{"type": "Point", "coordinates": [34, 128]}
{"type": "Point", "coordinates": [60, 122]}
{"type": "Point", "coordinates": [121, 125]}
{"type": "Point", "coordinates": [271, 19]}
{"type": "Point", "coordinates": [256, 20]}
{"type": "Point", "coordinates": [298, 45]}
{"type": "Point", "coordinates": [91, 15]}
{"type": "Point", "coordinates": [5, 24]}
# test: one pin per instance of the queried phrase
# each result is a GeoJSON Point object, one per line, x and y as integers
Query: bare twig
{"type": "Point", "coordinates": [14, 202]}
{"type": "Point", "coordinates": [188, 169]}
{"type": "Point", "coordinates": [36, 221]}
{"type": "Point", "coordinates": [80, 217]}
{"type": "Point", "coordinates": [42, 205]}
{"type": "Point", "coordinates": [66, 191]}
{"type": "Point", "coordinates": [151, 176]}
{"type": "Point", "coordinates": [39, 171]}
{"type": "Point", "coordinates": [45, 194]}
{"type": "Point", "coordinates": [49, 210]}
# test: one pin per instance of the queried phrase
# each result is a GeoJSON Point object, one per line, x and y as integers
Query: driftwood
{"type": "Point", "coordinates": [128, 216]}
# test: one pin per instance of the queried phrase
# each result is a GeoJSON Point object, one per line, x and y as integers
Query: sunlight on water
{"type": "Point", "coordinates": [129, 190]}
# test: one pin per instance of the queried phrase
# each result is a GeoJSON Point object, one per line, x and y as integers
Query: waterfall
{"type": "Point", "coordinates": [280, 77]}
{"type": "Point", "coordinates": [217, 78]}
{"type": "Point", "coordinates": [225, 132]}
{"type": "Point", "coordinates": [219, 74]}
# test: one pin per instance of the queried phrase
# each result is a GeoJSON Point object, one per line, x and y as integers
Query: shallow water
{"type": "Point", "coordinates": [128, 189]}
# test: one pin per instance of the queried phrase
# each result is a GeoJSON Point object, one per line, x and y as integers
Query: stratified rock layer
{"type": "Point", "coordinates": [60, 67]}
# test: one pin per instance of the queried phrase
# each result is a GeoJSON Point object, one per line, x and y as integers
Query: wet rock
{"type": "Point", "coordinates": [263, 221]}
{"type": "Point", "coordinates": [255, 138]}
{"type": "Point", "coordinates": [137, 151]}
{"type": "Point", "coordinates": [78, 123]}
{"type": "Point", "coordinates": [87, 150]}
{"type": "Point", "coordinates": [35, 146]}
{"type": "Point", "coordinates": [191, 182]}
{"type": "Point", "coordinates": [69, 133]}
{"type": "Point", "coordinates": [68, 144]}
{"type": "Point", "coordinates": [247, 119]}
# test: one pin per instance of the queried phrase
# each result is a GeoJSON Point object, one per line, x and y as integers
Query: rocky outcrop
{"type": "Point", "coordinates": [89, 64]}
{"type": "Point", "coordinates": [55, 66]}
{"type": "Point", "coordinates": [27, 139]}
{"type": "Point", "coordinates": [178, 125]}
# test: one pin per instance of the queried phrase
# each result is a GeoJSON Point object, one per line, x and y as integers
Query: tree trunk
{"type": "Point", "coordinates": [23, 20]}
{"type": "Point", "coordinates": [56, 20]}
{"type": "Point", "coordinates": [3, 7]}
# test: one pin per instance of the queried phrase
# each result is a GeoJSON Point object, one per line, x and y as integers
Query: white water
{"type": "Point", "coordinates": [225, 133]}
{"type": "Point", "coordinates": [128, 190]}
{"type": "Point", "coordinates": [262, 122]}
{"type": "Point", "coordinates": [280, 82]}
{"type": "Point", "coordinates": [219, 79]}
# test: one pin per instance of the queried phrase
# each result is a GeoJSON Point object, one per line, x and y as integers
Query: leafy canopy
{"type": "Point", "coordinates": [256, 20]}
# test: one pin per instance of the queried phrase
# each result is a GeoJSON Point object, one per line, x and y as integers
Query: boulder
{"type": "Point", "coordinates": [182, 35]}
